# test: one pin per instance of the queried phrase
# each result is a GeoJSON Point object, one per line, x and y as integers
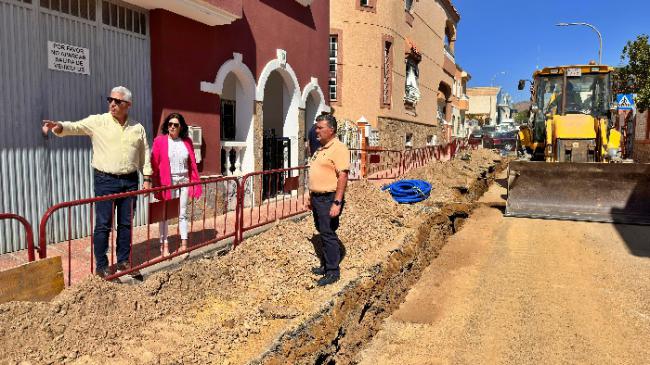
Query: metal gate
{"type": "Point", "coordinates": [276, 155]}
{"type": "Point", "coordinates": [35, 172]}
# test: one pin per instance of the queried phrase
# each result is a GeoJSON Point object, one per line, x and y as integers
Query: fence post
{"type": "Point", "coordinates": [29, 234]}
{"type": "Point", "coordinates": [239, 211]}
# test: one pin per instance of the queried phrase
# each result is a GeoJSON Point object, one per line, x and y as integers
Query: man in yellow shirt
{"type": "Point", "coordinates": [328, 178]}
{"type": "Point", "coordinates": [120, 150]}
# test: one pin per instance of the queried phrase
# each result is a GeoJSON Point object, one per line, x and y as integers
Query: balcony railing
{"type": "Point", "coordinates": [449, 53]}
{"type": "Point", "coordinates": [234, 152]}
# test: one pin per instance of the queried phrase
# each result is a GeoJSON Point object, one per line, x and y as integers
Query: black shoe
{"type": "Point", "coordinates": [102, 272]}
{"type": "Point", "coordinates": [320, 270]}
{"type": "Point", "coordinates": [124, 265]}
{"type": "Point", "coordinates": [329, 278]}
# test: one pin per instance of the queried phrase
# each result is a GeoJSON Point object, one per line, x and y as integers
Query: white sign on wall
{"type": "Point", "coordinates": [68, 58]}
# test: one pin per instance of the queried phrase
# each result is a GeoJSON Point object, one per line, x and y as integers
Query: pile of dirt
{"type": "Point", "coordinates": [226, 309]}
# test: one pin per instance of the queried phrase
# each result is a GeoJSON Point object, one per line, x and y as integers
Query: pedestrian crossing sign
{"type": "Point", "coordinates": [625, 101]}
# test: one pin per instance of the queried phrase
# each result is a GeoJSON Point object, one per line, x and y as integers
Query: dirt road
{"type": "Point", "coordinates": [523, 291]}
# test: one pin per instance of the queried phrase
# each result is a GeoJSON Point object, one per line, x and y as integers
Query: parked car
{"type": "Point", "coordinates": [475, 138]}
{"type": "Point", "coordinates": [488, 132]}
{"type": "Point", "coordinates": [505, 141]}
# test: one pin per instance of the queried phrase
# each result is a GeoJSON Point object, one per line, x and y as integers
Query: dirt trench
{"type": "Point", "coordinates": [342, 328]}
{"type": "Point", "coordinates": [258, 303]}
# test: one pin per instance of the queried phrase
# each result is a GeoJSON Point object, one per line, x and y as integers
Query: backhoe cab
{"type": "Point", "coordinates": [571, 115]}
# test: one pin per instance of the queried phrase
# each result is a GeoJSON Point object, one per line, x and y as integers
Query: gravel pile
{"type": "Point", "coordinates": [221, 310]}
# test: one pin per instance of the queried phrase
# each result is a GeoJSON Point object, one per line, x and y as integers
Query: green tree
{"type": "Point", "coordinates": [634, 77]}
{"type": "Point", "coordinates": [522, 117]}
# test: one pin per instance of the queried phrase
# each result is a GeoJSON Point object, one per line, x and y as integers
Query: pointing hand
{"type": "Point", "coordinates": [49, 125]}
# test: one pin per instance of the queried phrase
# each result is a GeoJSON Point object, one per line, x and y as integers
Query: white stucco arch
{"type": "Point", "coordinates": [242, 89]}
{"type": "Point", "coordinates": [236, 66]}
{"type": "Point", "coordinates": [290, 126]}
{"type": "Point", "coordinates": [309, 88]}
{"type": "Point", "coordinates": [287, 73]}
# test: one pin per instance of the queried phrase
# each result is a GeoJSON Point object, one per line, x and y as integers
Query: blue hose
{"type": "Point", "coordinates": [408, 191]}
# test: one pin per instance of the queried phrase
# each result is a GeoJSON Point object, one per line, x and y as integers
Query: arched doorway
{"type": "Point", "coordinates": [444, 108]}
{"type": "Point", "coordinates": [279, 94]}
{"type": "Point", "coordinates": [236, 126]}
{"type": "Point", "coordinates": [279, 123]}
{"type": "Point", "coordinates": [313, 104]}
{"type": "Point", "coordinates": [235, 85]}
{"type": "Point", "coordinates": [311, 112]}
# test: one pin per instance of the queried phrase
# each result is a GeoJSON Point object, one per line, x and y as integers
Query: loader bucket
{"type": "Point", "coordinates": [598, 192]}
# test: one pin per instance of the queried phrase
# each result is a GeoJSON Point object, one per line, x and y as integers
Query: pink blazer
{"type": "Point", "coordinates": [162, 175]}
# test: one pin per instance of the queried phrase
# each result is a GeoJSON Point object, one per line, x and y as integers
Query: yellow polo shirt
{"type": "Point", "coordinates": [325, 165]}
{"type": "Point", "coordinates": [117, 149]}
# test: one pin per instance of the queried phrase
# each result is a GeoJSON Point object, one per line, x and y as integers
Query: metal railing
{"type": "Point", "coordinates": [29, 234]}
{"type": "Point", "coordinates": [227, 208]}
{"type": "Point", "coordinates": [267, 196]}
{"type": "Point", "coordinates": [215, 212]}
{"type": "Point", "coordinates": [375, 164]}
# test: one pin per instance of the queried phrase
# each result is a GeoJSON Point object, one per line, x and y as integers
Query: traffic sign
{"type": "Point", "coordinates": [625, 101]}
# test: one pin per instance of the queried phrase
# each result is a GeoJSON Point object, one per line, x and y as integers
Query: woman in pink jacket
{"type": "Point", "coordinates": [173, 163]}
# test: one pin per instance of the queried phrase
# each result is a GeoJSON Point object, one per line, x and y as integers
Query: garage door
{"type": "Point", "coordinates": [99, 44]}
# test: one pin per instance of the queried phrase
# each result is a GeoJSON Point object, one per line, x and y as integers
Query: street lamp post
{"type": "Point", "coordinates": [600, 37]}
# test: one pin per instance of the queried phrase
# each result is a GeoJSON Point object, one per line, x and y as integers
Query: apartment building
{"type": "Point", "coordinates": [392, 67]}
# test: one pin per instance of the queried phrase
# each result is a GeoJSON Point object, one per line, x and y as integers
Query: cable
{"type": "Point", "coordinates": [408, 191]}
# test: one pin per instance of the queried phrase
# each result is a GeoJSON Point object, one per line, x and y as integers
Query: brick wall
{"type": "Point", "coordinates": [641, 150]}
{"type": "Point", "coordinates": [641, 128]}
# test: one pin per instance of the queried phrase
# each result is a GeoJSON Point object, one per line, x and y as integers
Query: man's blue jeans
{"type": "Point", "coordinates": [112, 184]}
{"type": "Point", "coordinates": [326, 227]}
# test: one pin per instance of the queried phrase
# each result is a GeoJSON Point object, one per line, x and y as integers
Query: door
{"type": "Point", "coordinates": [36, 172]}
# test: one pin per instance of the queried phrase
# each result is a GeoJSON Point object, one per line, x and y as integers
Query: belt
{"type": "Point", "coordinates": [314, 193]}
{"type": "Point", "coordinates": [117, 176]}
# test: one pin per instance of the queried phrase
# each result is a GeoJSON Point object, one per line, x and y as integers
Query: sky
{"type": "Point", "coordinates": [502, 41]}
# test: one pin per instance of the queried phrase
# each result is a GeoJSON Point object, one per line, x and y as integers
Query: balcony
{"type": "Point", "coordinates": [209, 12]}
{"type": "Point", "coordinates": [449, 53]}
{"type": "Point", "coordinates": [234, 152]}
{"type": "Point", "coordinates": [463, 103]}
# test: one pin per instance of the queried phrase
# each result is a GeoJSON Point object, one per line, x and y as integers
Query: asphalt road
{"type": "Point", "coordinates": [523, 291]}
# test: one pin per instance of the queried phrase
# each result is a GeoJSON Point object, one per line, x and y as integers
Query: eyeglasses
{"type": "Point", "coordinates": [117, 101]}
{"type": "Point", "coordinates": [175, 125]}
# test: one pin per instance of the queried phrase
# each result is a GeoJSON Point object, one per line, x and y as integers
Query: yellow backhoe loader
{"type": "Point", "coordinates": [574, 169]}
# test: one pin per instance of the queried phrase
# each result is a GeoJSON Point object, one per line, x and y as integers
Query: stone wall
{"type": "Point", "coordinates": [641, 152]}
{"type": "Point", "coordinates": [641, 127]}
{"type": "Point", "coordinates": [392, 133]}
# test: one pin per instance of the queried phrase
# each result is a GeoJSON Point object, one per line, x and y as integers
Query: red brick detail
{"type": "Point", "coordinates": [647, 125]}
{"type": "Point", "coordinates": [386, 103]}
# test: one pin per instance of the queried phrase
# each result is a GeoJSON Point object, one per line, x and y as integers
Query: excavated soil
{"type": "Point", "coordinates": [258, 303]}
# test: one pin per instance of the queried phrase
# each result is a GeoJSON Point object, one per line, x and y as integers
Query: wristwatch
{"type": "Point", "coordinates": [336, 202]}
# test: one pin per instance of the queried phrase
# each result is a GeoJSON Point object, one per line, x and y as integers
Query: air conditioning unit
{"type": "Point", "coordinates": [196, 135]}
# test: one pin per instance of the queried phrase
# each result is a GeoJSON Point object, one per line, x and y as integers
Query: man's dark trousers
{"type": "Point", "coordinates": [112, 184]}
{"type": "Point", "coordinates": [327, 226]}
